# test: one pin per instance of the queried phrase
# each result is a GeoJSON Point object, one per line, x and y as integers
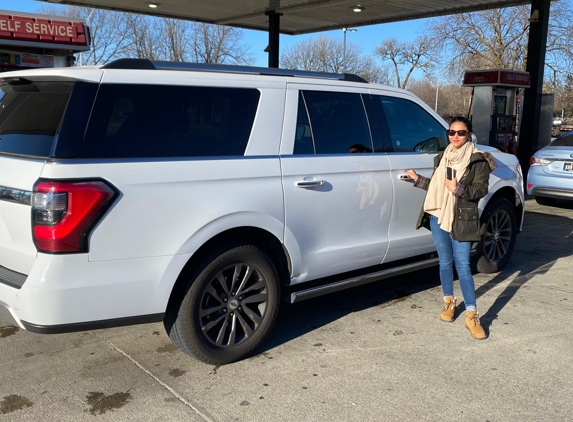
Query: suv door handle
{"type": "Point", "coordinates": [405, 177]}
{"type": "Point", "coordinates": [308, 183]}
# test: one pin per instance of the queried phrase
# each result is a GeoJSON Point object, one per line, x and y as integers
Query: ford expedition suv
{"type": "Point", "coordinates": [200, 195]}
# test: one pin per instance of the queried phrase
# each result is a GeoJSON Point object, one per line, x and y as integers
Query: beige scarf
{"type": "Point", "coordinates": [439, 200]}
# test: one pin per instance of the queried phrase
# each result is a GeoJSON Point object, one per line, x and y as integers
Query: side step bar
{"type": "Point", "coordinates": [364, 279]}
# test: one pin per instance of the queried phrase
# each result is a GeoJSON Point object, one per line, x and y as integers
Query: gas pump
{"type": "Point", "coordinates": [495, 106]}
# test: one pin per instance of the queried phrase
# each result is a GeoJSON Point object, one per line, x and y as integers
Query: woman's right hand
{"type": "Point", "coordinates": [412, 175]}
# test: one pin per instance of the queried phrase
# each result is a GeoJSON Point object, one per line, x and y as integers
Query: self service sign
{"type": "Point", "coordinates": [42, 31]}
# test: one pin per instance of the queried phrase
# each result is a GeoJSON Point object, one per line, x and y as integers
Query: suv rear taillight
{"type": "Point", "coordinates": [65, 212]}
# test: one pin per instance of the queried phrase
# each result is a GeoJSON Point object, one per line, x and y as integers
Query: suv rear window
{"type": "Point", "coordinates": [30, 114]}
{"type": "Point", "coordinates": [132, 121]}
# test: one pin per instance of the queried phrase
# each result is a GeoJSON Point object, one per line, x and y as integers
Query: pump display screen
{"type": "Point", "coordinates": [500, 102]}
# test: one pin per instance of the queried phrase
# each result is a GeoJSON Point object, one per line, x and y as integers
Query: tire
{"type": "Point", "coordinates": [543, 200]}
{"type": "Point", "coordinates": [212, 324]}
{"type": "Point", "coordinates": [499, 228]}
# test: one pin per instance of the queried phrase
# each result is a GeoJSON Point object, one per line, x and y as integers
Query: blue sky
{"type": "Point", "coordinates": [367, 37]}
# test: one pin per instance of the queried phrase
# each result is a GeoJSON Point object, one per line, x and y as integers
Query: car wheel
{"type": "Point", "coordinates": [499, 228]}
{"type": "Point", "coordinates": [229, 307]}
{"type": "Point", "coordinates": [543, 200]}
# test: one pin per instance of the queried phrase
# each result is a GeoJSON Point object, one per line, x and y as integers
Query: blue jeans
{"type": "Point", "coordinates": [451, 251]}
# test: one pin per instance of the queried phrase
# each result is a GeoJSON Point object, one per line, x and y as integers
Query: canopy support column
{"type": "Point", "coordinates": [274, 32]}
{"type": "Point", "coordinates": [529, 125]}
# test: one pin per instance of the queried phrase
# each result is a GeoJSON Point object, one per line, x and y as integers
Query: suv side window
{"type": "Point", "coordinates": [337, 122]}
{"type": "Point", "coordinates": [303, 143]}
{"type": "Point", "coordinates": [411, 127]}
{"type": "Point", "coordinates": [132, 121]}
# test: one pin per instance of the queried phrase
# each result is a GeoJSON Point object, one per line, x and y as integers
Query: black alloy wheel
{"type": "Point", "coordinates": [229, 308]}
{"type": "Point", "coordinates": [499, 228]}
{"type": "Point", "coordinates": [233, 305]}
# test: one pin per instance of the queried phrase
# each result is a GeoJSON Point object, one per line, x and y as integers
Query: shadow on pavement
{"type": "Point", "coordinates": [545, 238]}
{"type": "Point", "coordinates": [300, 318]}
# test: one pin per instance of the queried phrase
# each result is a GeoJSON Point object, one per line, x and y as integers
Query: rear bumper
{"type": "Point", "coordinates": [92, 325]}
{"type": "Point", "coordinates": [65, 293]}
{"type": "Point", "coordinates": [551, 185]}
{"type": "Point", "coordinates": [552, 193]}
{"type": "Point", "coordinates": [7, 315]}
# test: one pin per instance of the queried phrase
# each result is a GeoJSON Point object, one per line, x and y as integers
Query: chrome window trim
{"type": "Point", "coordinates": [15, 195]}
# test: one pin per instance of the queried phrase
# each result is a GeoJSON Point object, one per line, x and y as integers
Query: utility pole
{"type": "Point", "coordinates": [344, 47]}
{"type": "Point", "coordinates": [437, 88]}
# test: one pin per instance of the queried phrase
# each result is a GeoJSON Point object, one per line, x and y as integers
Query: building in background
{"type": "Point", "coordinates": [31, 40]}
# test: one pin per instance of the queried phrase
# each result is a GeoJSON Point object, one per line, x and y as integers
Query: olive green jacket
{"type": "Point", "coordinates": [472, 186]}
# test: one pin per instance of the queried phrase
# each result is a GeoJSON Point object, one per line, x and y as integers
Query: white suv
{"type": "Point", "coordinates": [194, 194]}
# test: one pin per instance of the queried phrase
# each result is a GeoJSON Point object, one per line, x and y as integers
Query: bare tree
{"type": "Point", "coordinates": [326, 54]}
{"type": "Point", "coordinates": [563, 91]}
{"type": "Point", "coordinates": [321, 54]}
{"type": "Point", "coordinates": [218, 44]}
{"type": "Point", "coordinates": [497, 39]}
{"type": "Point", "coordinates": [455, 100]}
{"type": "Point", "coordinates": [176, 34]}
{"type": "Point", "coordinates": [156, 38]}
{"type": "Point", "coordinates": [115, 35]}
{"type": "Point", "coordinates": [310, 55]}
{"type": "Point", "coordinates": [405, 57]}
{"type": "Point", "coordinates": [427, 91]}
{"type": "Point", "coordinates": [451, 99]}
{"type": "Point", "coordinates": [144, 42]}
{"type": "Point", "coordinates": [368, 69]}
{"type": "Point", "coordinates": [559, 56]}
{"type": "Point", "coordinates": [107, 29]}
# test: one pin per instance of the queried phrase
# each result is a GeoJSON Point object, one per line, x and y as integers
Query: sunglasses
{"type": "Point", "coordinates": [459, 132]}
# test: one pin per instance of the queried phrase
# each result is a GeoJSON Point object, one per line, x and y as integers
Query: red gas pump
{"type": "Point", "coordinates": [495, 106]}
{"type": "Point", "coordinates": [504, 132]}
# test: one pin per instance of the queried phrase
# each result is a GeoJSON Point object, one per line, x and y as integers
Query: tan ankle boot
{"type": "Point", "coordinates": [449, 309]}
{"type": "Point", "coordinates": [472, 324]}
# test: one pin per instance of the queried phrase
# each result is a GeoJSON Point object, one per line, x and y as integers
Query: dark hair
{"type": "Point", "coordinates": [359, 148]}
{"type": "Point", "coordinates": [463, 120]}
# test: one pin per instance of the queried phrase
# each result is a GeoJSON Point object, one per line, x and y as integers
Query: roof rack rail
{"type": "Point", "coordinates": [145, 64]}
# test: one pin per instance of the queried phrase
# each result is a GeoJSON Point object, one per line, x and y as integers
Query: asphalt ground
{"type": "Point", "coordinates": [373, 353]}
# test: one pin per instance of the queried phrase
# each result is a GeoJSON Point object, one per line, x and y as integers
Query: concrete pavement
{"type": "Point", "coordinates": [373, 353]}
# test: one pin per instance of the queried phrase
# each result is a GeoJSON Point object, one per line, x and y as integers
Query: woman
{"type": "Point", "coordinates": [450, 211]}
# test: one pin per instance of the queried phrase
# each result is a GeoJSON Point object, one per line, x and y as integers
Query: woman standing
{"type": "Point", "coordinates": [450, 211]}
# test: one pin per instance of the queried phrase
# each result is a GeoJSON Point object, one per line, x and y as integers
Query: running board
{"type": "Point", "coordinates": [364, 279]}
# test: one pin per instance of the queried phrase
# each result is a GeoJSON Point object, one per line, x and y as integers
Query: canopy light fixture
{"type": "Point", "coordinates": [357, 8]}
{"type": "Point", "coordinates": [153, 5]}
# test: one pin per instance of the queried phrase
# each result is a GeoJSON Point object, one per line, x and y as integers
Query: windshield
{"type": "Point", "coordinates": [564, 141]}
{"type": "Point", "coordinates": [30, 114]}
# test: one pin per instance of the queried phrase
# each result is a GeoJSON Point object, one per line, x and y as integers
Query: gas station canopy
{"type": "Point", "coordinates": [297, 16]}
{"type": "Point", "coordinates": [307, 16]}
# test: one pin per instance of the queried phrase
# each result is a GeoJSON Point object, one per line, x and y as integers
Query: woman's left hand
{"type": "Point", "coordinates": [451, 185]}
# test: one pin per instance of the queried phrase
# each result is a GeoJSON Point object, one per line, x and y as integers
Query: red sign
{"type": "Point", "coordinates": [508, 77]}
{"type": "Point", "coordinates": [484, 77]}
{"type": "Point", "coordinates": [42, 30]}
{"type": "Point", "coordinates": [499, 77]}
